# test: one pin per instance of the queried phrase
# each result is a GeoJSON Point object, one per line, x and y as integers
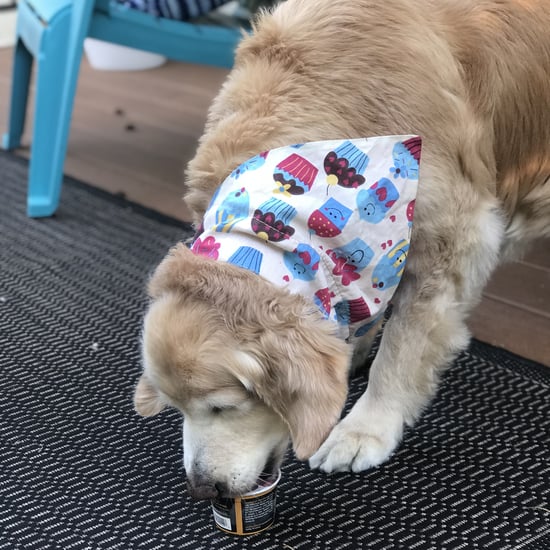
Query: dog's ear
{"type": "Point", "coordinates": [174, 272]}
{"type": "Point", "coordinates": [147, 400]}
{"type": "Point", "coordinates": [305, 381]}
{"type": "Point", "coordinates": [314, 399]}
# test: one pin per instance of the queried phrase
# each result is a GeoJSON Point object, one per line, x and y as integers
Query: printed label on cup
{"type": "Point", "coordinates": [246, 514]}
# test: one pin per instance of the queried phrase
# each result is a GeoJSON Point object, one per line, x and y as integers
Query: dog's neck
{"type": "Point", "coordinates": [330, 220]}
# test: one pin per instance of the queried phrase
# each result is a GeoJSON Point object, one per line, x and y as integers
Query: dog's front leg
{"type": "Point", "coordinates": [402, 379]}
{"type": "Point", "coordinates": [425, 332]}
{"type": "Point", "coordinates": [364, 345]}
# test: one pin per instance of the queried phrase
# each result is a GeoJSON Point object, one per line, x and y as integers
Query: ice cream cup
{"type": "Point", "coordinates": [249, 513]}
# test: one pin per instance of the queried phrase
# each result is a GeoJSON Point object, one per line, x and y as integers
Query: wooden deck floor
{"type": "Point", "coordinates": [133, 133]}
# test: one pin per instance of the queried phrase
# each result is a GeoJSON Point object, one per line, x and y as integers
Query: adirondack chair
{"type": "Point", "coordinates": [53, 33]}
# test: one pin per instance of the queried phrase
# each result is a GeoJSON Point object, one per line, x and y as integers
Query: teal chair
{"type": "Point", "coordinates": [53, 33]}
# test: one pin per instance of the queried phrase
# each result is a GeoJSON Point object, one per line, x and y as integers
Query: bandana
{"type": "Point", "coordinates": [329, 220]}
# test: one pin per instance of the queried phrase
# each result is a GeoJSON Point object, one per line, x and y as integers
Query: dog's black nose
{"type": "Point", "coordinates": [202, 491]}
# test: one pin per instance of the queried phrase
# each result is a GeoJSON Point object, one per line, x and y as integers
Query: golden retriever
{"type": "Point", "coordinates": [248, 363]}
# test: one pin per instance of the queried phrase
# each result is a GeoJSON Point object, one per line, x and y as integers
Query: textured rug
{"type": "Point", "coordinates": [79, 470]}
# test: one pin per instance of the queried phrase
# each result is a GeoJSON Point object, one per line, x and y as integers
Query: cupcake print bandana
{"type": "Point", "coordinates": [330, 220]}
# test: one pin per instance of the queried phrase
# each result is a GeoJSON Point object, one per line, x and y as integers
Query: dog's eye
{"type": "Point", "coordinates": [220, 410]}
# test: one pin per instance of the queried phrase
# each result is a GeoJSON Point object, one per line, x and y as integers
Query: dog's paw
{"type": "Point", "coordinates": [357, 447]}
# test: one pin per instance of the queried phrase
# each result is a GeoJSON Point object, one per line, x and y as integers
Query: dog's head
{"type": "Point", "coordinates": [246, 363]}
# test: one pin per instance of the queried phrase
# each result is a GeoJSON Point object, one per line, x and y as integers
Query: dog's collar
{"type": "Point", "coordinates": [330, 220]}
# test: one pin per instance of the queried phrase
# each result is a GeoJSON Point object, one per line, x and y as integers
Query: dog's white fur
{"type": "Point", "coordinates": [249, 364]}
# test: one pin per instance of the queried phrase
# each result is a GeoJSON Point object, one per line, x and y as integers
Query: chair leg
{"type": "Point", "coordinates": [55, 93]}
{"type": "Point", "coordinates": [45, 176]}
{"type": "Point", "coordinates": [21, 75]}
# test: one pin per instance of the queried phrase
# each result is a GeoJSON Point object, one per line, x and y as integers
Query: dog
{"type": "Point", "coordinates": [250, 364]}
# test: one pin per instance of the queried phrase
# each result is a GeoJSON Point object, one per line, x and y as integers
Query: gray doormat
{"type": "Point", "coordinates": [80, 470]}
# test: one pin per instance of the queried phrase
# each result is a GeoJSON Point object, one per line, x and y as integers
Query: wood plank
{"type": "Point", "coordinates": [539, 254]}
{"type": "Point", "coordinates": [519, 331]}
{"type": "Point", "coordinates": [166, 107]}
{"type": "Point", "coordinates": [522, 285]}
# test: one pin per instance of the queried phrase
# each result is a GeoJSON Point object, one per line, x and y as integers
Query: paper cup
{"type": "Point", "coordinates": [249, 513]}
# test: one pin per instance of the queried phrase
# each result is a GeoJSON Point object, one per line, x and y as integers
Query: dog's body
{"type": "Point", "coordinates": [247, 362]}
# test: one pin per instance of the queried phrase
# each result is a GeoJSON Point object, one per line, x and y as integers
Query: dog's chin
{"type": "Point", "coordinates": [271, 470]}
{"type": "Point", "coordinates": [267, 476]}
{"type": "Point", "coordinates": [263, 480]}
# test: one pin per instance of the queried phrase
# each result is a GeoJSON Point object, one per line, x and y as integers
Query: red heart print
{"type": "Point", "coordinates": [286, 278]}
{"type": "Point", "coordinates": [305, 256]}
{"type": "Point", "coordinates": [382, 193]}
